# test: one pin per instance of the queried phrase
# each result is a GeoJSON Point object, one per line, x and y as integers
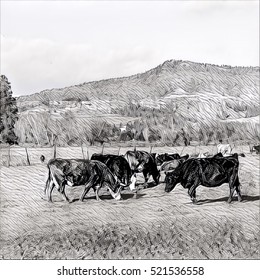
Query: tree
{"type": "Point", "coordinates": [8, 112]}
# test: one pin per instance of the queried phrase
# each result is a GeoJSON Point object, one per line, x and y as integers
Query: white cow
{"type": "Point", "coordinates": [224, 149]}
{"type": "Point", "coordinates": [203, 155]}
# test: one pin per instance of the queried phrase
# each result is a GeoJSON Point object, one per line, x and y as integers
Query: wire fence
{"type": "Point", "coordinates": [26, 156]}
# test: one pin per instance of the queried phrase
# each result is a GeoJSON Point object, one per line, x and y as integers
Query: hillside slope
{"type": "Point", "coordinates": [183, 94]}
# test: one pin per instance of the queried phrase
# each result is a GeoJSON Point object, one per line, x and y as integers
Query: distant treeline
{"type": "Point", "coordinates": [167, 127]}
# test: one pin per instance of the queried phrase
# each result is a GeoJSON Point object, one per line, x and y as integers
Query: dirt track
{"type": "Point", "coordinates": [25, 212]}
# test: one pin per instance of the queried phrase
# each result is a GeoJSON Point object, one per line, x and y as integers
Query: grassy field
{"type": "Point", "coordinates": [152, 224]}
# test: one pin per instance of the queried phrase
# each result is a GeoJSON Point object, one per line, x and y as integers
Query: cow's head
{"type": "Point", "coordinates": [172, 179]}
{"type": "Point", "coordinates": [113, 184]}
{"type": "Point", "coordinates": [141, 162]}
{"type": "Point", "coordinates": [116, 190]}
{"type": "Point", "coordinates": [160, 159]}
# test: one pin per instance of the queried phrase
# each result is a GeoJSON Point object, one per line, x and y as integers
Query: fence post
{"type": "Point", "coordinates": [87, 154]}
{"type": "Point", "coordinates": [118, 150]}
{"type": "Point", "coordinates": [54, 151]}
{"type": "Point", "coordinates": [8, 156]}
{"type": "Point", "coordinates": [27, 156]}
{"type": "Point", "coordinates": [151, 147]}
{"type": "Point", "coordinates": [102, 149]}
{"type": "Point", "coordinates": [82, 151]}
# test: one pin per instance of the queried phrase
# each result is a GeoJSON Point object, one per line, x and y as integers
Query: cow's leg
{"type": "Point", "coordinates": [146, 177]}
{"type": "Point", "coordinates": [47, 183]}
{"type": "Point", "coordinates": [62, 191]}
{"type": "Point", "coordinates": [232, 184]}
{"type": "Point", "coordinates": [96, 192]}
{"type": "Point", "coordinates": [231, 192]}
{"type": "Point", "coordinates": [156, 178]}
{"type": "Point", "coordinates": [61, 186]}
{"type": "Point", "coordinates": [86, 190]}
{"type": "Point", "coordinates": [96, 189]}
{"type": "Point", "coordinates": [46, 186]}
{"type": "Point", "coordinates": [50, 189]}
{"type": "Point", "coordinates": [237, 184]}
{"type": "Point", "coordinates": [239, 196]}
{"type": "Point", "coordinates": [93, 180]}
{"type": "Point", "coordinates": [192, 191]}
{"type": "Point", "coordinates": [192, 194]}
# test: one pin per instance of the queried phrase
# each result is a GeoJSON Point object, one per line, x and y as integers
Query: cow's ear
{"type": "Point", "coordinates": [181, 160]}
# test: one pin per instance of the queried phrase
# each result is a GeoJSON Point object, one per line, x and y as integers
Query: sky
{"type": "Point", "coordinates": [54, 44]}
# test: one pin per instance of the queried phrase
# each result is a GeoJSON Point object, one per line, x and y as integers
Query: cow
{"type": "Point", "coordinates": [208, 172]}
{"type": "Point", "coordinates": [75, 172]}
{"type": "Point", "coordinates": [169, 166]}
{"type": "Point", "coordinates": [218, 155]}
{"type": "Point", "coordinates": [161, 158]}
{"type": "Point", "coordinates": [141, 161]}
{"type": "Point", "coordinates": [119, 167]}
{"type": "Point", "coordinates": [225, 149]}
{"type": "Point", "coordinates": [257, 149]}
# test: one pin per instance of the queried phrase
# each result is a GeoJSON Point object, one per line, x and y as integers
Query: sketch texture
{"type": "Point", "coordinates": [92, 170]}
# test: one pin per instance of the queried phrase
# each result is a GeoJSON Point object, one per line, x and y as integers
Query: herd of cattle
{"type": "Point", "coordinates": [116, 172]}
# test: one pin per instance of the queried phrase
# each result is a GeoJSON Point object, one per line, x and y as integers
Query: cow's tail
{"type": "Point", "coordinates": [48, 180]}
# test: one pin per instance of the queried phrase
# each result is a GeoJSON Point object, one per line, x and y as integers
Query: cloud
{"type": "Point", "coordinates": [39, 63]}
{"type": "Point", "coordinates": [49, 45]}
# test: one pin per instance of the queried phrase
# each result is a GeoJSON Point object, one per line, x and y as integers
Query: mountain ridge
{"type": "Point", "coordinates": [56, 94]}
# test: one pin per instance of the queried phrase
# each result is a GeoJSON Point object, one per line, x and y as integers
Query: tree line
{"type": "Point", "coordinates": [8, 113]}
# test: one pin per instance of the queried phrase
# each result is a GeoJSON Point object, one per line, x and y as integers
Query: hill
{"type": "Point", "coordinates": [184, 97]}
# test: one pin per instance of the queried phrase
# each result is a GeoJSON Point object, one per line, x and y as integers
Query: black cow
{"type": "Point", "coordinates": [141, 161]}
{"type": "Point", "coordinates": [119, 167]}
{"type": "Point", "coordinates": [161, 158]}
{"type": "Point", "coordinates": [209, 172]}
{"type": "Point", "coordinates": [257, 149]}
{"type": "Point", "coordinates": [218, 155]}
{"type": "Point", "coordinates": [75, 172]}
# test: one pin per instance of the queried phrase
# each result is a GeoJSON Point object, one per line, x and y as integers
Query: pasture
{"type": "Point", "coordinates": [150, 225]}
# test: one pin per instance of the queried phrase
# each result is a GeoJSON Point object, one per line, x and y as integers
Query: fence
{"type": "Point", "coordinates": [21, 156]}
